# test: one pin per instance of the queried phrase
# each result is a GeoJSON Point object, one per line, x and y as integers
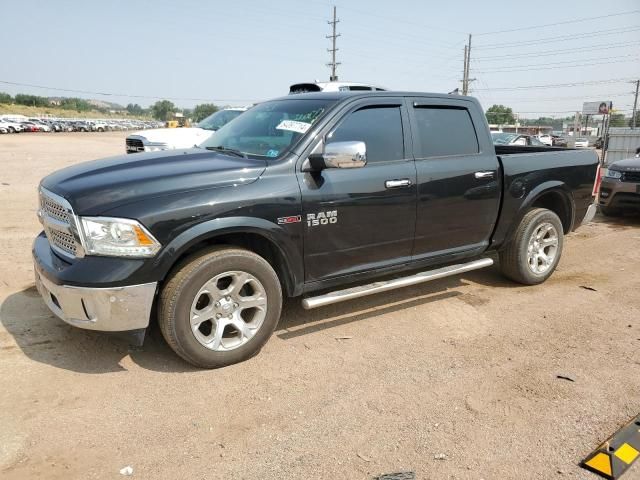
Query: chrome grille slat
{"type": "Point", "coordinates": [55, 210]}
{"type": "Point", "coordinates": [64, 241]}
{"type": "Point", "coordinates": [59, 224]}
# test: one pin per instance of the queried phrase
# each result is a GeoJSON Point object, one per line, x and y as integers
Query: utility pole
{"type": "Point", "coordinates": [635, 106]}
{"type": "Point", "coordinates": [465, 72]}
{"type": "Point", "coordinates": [467, 67]}
{"type": "Point", "coordinates": [333, 49]}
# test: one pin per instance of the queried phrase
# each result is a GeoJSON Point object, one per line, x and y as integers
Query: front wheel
{"type": "Point", "coordinates": [534, 252]}
{"type": "Point", "coordinates": [220, 307]}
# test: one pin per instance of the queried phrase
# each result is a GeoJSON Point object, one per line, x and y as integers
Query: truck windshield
{"type": "Point", "coordinates": [269, 129]}
{"type": "Point", "coordinates": [219, 119]}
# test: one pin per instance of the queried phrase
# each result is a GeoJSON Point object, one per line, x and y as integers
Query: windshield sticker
{"type": "Point", "coordinates": [272, 153]}
{"type": "Point", "coordinates": [293, 126]}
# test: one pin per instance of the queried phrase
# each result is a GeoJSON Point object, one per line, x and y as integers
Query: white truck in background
{"type": "Point", "coordinates": [184, 137]}
{"type": "Point", "coordinates": [187, 137]}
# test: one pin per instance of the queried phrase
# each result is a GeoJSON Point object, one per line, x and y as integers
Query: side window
{"type": "Point", "coordinates": [380, 128]}
{"type": "Point", "coordinates": [444, 131]}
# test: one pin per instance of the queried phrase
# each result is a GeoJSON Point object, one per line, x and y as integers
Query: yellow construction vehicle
{"type": "Point", "coordinates": [178, 120]}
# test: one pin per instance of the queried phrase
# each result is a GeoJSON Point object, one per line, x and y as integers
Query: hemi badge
{"type": "Point", "coordinates": [286, 220]}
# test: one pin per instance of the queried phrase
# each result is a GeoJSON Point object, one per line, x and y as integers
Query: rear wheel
{"type": "Point", "coordinates": [220, 307]}
{"type": "Point", "coordinates": [534, 252]}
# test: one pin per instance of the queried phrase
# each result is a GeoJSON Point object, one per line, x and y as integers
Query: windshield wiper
{"type": "Point", "coordinates": [221, 148]}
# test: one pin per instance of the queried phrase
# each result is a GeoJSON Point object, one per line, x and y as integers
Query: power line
{"type": "Point", "coordinates": [585, 97]}
{"type": "Point", "coordinates": [559, 85]}
{"type": "Point", "coordinates": [577, 20]}
{"type": "Point", "coordinates": [397, 19]}
{"type": "Point", "coordinates": [111, 94]}
{"type": "Point", "coordinates": [546, 53]}
{"type": "Point", "coordinates": [545, 66]}
{"type": "Point", "coordinates": [537, 41]}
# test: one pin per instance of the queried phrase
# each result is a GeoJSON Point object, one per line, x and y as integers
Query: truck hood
{"type": "Point", "coordinates": [174, 137]}
{"type": "Point", "coordinates": [628, 164]}
{"type": "Point", "coordinates": [95, 187]}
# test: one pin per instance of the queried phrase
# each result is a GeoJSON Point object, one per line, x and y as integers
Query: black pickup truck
{"type": "Point", "coordinates": [299, 196]}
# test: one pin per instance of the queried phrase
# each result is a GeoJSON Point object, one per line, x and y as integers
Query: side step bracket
{"type": "Point", "coordinates": [378, 287]}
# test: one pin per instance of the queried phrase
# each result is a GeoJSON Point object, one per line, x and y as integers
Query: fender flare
{"type": "Point", "coordinates": [275, 234]}
{"type": "Point", "coordinates": [551, 186]}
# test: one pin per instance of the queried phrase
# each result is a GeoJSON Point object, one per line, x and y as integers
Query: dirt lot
{"type": "Point", "coordinates": [454, 379]}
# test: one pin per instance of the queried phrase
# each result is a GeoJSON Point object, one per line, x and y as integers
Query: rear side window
{"type": "Point", "coordinates": [444, 131]}
{"type": "Point", "coordinates": [380, 128]}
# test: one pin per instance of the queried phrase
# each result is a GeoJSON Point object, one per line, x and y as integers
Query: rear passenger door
{"type": "Point", "coordinates": [458, 177]}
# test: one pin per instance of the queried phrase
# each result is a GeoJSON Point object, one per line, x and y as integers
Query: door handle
{"type": "Point", "coordinates": [405, 182]}
{"type": "Point", "coordinates": [488, 174]}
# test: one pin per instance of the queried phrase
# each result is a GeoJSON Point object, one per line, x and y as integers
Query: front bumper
{"type": "Point", "coordinates": [618, 194]}
{"type": "Point", "coordinates": [116, 309]}
{"type": "Point", "coordinates": [109, 308]}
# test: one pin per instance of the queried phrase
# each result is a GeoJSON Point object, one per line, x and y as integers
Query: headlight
{"type": "Point", "coordinates": [117, 237]}
{"type": "Point", "coordinates": [613, 173]}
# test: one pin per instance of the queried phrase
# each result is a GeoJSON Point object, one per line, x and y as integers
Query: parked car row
{"type": "Point", "coordinates": [509, 138]}
{"type": "Point", "coordinates": [15, 124]}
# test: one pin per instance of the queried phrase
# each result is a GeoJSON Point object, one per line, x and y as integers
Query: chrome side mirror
{"type": "Point", "coordinates": [339, 155]}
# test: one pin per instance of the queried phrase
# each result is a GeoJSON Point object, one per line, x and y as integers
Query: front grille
{"type": "Point", "coordinates": [64, 241]}
{"type": "Point", "coordinates": [631, 176]}
{"type": "Point", "coordinates": [134, 145]}
{"type": "Point", "coordinates": [59, 222]}
{"type": "Point", "coordinates": [55, 210]}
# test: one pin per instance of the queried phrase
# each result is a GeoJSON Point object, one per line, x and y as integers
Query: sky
{"type": "Point", "coordinates": [242, 51]}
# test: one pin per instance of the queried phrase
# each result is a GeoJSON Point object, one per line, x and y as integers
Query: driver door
{"type": "Point", "coordinates": [360, 219]}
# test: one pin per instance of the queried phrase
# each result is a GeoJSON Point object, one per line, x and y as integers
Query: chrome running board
{"type": "Point", "coordinates": [377, 287]}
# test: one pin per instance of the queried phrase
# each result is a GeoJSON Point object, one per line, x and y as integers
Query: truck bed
{"type": "Point", "coordinates": [528, 170]}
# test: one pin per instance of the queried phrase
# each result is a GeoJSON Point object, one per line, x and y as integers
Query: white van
{"type": "Point", "coordinates": [332, 87]}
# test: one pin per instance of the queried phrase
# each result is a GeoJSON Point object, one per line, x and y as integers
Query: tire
{"type": "Point", "coordinates": [531, 267]}
{"type": "Point", "coordinates": [12, 130]}
{"type": "Point", "coordinates": [610, 212]}
{"type": "Point", "coordinates": [200, 284]}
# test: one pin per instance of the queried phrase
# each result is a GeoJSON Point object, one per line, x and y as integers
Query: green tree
{"type": "Point", "coordinates": [163, 109]}
{"type": "Point", "coordinates": [617, 120]}
{"type": "Point", "coordinates": [500, 114]}
{"type": "Point", "coordinates": [135, 109]}
{"type": "Point", "coordinates": [77, 104]}
{"type": "Point", "coordinates": [31, 100]}
{"type": "Point", "coordinates": [5, 98]}
{"type": "Point", "coordinates": [202, 111]}
{"type": "Point", "coordinates": [630, 119]}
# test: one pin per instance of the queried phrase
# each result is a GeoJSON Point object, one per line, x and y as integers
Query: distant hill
{"type": "Point", "coordinates": [92, 102]}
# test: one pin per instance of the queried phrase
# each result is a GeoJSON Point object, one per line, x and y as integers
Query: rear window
{"type": "Point", "coordinates": [444, 132]}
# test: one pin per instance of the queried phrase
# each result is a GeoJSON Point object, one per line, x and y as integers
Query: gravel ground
{"type": "Point", "coordinates": [453, 379]}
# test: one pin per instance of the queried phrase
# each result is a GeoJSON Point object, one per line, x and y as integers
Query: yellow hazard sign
{"type": "Point", "coordinates": [616, 455]}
